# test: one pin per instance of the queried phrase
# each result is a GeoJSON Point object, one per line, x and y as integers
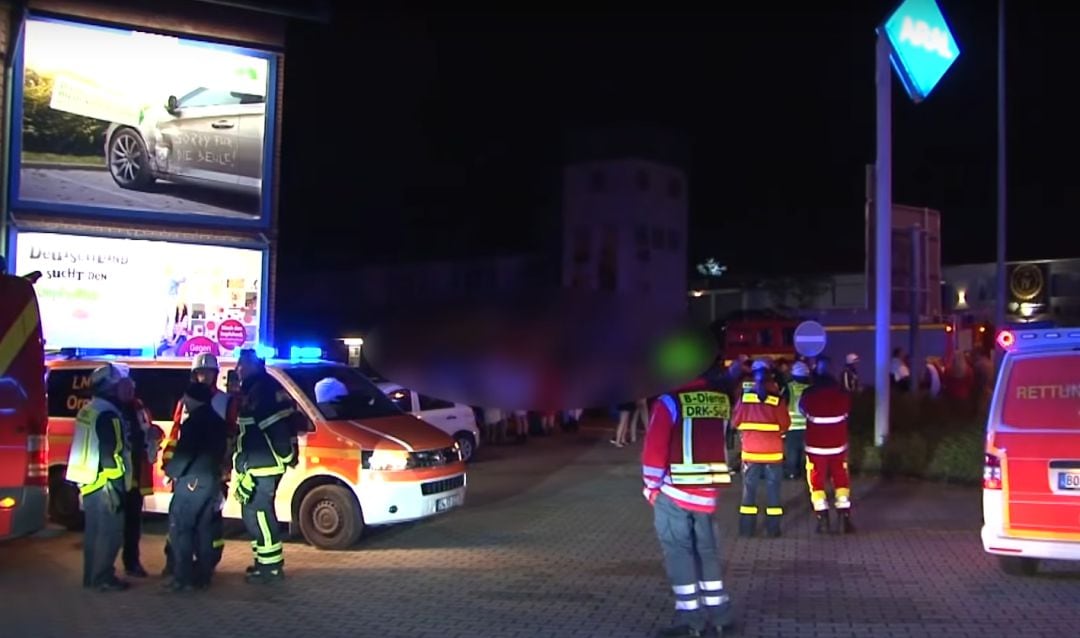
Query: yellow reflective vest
{"type": "Point", "coordinates": [795, 392]}
{"type": "Point", "coordinates": [84, 460]}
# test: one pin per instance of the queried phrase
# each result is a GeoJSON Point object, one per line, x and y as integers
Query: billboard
{"type": "Point", "coordinates": [123, 123]}
{"type": "Point", "coordinates": [170, 297]}
{"type": "Point", "coordinates": [904, 251]}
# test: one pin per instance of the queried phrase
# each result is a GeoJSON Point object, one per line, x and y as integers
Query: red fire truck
{"type": "Point", "coordinates": [23, 443]}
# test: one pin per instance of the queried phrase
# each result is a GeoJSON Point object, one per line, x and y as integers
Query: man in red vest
{"type": "Point", "coordinates": [762, 419]}
{"type": "Point", "coordinates": [684, 463]}
{"type": "Point", "coordinates": [826, 406]}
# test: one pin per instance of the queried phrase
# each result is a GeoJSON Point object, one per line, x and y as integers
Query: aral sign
{"type": "Point", "coordinates": [922, 45]}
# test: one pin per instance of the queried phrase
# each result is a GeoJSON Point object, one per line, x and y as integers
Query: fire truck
{"type": "Point", "coordinates": [23, 417]}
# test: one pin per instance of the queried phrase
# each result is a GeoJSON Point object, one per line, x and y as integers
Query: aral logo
{"type": "Point", "coordinates": [920, 34]}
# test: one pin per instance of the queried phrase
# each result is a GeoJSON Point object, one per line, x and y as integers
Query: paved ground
{"type": "Point", "coordinates": [556, 541]}
{"type": "Point", "coordinates": [94, 187]}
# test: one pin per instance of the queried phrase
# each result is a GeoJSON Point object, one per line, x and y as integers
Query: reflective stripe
{"type": "Point", "coordinates": [649, 470]}
{"type": "Point", "coordinates": [773, 400]}
{"type": "Point", "coordinates": [711, 585]}
{"type": "Point", "coordinates": [826, 451]}
{"type": "Point", "coordinates": [275, 417]}
{"type": "Point", "coordinates": [843, 492]}
{"type": "Point", "coordinates": [272, 470]}
{"type": "Point", "coordinates": [797, 426]}
{"type": "Point", "coordinates": [774, 511]}
{"type": "Point", "coordinates": [700, 479]}
{"type": "Point", "coordinates": [752, 397]}
{"type": "Point", "coordinates": [820, 506]}
{"type": "Point", "coordinates": [827, 420]}
{"type": "Point", "coordinates": [748, 509]}
{"type": "Point", "coordinates": [669, 403]}
{"type": "Point", "coordinates": [715, 601]}
{"type": "Point", "coordinates": [750, 426]}
{"type": "Point", "coordinates": [817, 495]}
{"type": "Point", "coordinates": [12, 342]}
{"type": "Point", "coordinates": [686, 605]}
{"type": "Point", "coordinates": [754, 457]}
{"type": "Point", "coordinates": [676, 493]}
{"type": "Point", "coordinates": [688, 441]}
{"type": "Point", "coordinates": [843, 505]}
{"type": "Point", "coordinates": [684, 590]}
{"type": "Point", "coordinates": [692, 468]}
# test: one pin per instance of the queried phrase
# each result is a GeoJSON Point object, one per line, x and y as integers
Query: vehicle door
{"type": "Point", "coordinates": [203, 136]}
{"type": "Point", "coordinates": [445, 415]}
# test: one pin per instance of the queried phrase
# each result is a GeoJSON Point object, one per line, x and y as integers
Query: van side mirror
{"type": "Point", "coordinates": [172, 105]}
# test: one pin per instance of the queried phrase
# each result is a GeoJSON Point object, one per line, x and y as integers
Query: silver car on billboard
{"type": "Point", "coordinates": [209, 137]}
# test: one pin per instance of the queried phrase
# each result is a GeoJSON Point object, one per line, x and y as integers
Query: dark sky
{"type": "Point", "coordinates": [439, 134]}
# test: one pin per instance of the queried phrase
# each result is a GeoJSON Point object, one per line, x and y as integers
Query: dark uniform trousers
{"type": "Point", "coordinates": [191, 528]}
{"type": "Point", "coordinates": [133, 506]}
{"type": "Point", "coordinates": [102, 539]}
{"type": "Point", "coordinates": [261, 522]}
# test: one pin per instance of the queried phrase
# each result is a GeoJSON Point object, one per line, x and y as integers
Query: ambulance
{"type": "Point", "coordinates": [1031, 476]}
{"type": "Point", "coordinates": [362, 461]}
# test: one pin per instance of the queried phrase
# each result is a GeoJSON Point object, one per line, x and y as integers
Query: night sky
{"type": "Point", "coordinates": [433, 135]}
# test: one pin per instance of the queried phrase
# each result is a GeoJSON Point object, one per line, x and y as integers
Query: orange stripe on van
{"type": "Point", "coordinates": [17, 335]}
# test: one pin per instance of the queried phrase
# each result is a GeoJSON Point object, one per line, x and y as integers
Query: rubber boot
{"type": "Point", "coordinates": [747, 522]}
{"type": "Point", "coordinates": [822, 522]}
{"type": "Point", "coordinates": [846, 526]}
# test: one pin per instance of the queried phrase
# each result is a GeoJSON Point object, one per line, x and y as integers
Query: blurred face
{"type": "Point", "coordinates": [232, 383]}
{"type": "Point", "coordinates": [207, 376]}
{"type": "Point", "coordinates": [125, 390]}
{"type": "Point", "coordinates": [248, 367]}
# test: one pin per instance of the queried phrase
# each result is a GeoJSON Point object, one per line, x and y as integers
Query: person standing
{"type": "Point", "coordinates": [266, 447]}
{"type": "Point", "coordinates": [143, 439]}
{"type": "Point", "coordinates": [827, 406]}
{"type": "Point", "coordinates": [762, 419]}
{"type": "Point", "coordinates": [195, 470]}
{"type": "Point", "coordinates": [99, 464]}
{"type": "Point", "coordinates": [849, 378]}
{"type": "Point", "coordinates": [794, 441]}
{"type": "Point", "coordinates": [684, 464]}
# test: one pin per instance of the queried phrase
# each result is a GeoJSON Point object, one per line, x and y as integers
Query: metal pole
{"type": "Point", "coordinates": [999, 298]}
{"type": "Point", "coordinates": [882, 243]}
{"type": "Point", "coordinates": [918, 367]}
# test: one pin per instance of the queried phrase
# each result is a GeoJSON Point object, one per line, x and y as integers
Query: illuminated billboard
{"type": "Point", "coordinates": [169, 297]}
{"type": "Point", "coordinates": [129, 124]}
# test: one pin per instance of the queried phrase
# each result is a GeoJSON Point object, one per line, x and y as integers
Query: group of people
{"type": "Point", "coordinates": [249, 428]}
{"type": "Point", "coordinates": [781, 415]}
{"type": "Point", "coordinates": [499, 426]}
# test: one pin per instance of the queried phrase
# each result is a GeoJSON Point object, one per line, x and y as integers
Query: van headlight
{"type": "Point", "coordinates": [386, 460]}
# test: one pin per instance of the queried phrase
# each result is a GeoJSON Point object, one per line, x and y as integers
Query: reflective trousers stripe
{"type": "Point", "coordinates": [774, 511]}
{"type": "Point", "coordinates": [748, 509]}
{"type": "Point", "coordinates": [755, 457]}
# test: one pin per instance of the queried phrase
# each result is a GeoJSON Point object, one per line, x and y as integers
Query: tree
{"type": "Point", "coordinates": [47, 130]}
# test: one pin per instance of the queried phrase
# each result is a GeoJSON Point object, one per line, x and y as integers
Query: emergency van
{"type": "Point", "coordinates": [23, 478]}
{"type": "Point", "coordinates": [362, 461]}
{"type": "Point", "coordinates": [1031, 476]}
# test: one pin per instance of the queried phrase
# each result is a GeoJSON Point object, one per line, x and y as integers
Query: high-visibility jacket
{"type": "Point", "coordinates": [762, 421]}
{"type": "Point", "coordinates": [685, 455]}
{"type": "Point", "coordinates": [266, 444]}
{"type": "Point", "coordinates": [795, 390]}
{"type": "Point", "coordinates": [98, 454]}
{"type": "Point", "coordinates": [826, 408]}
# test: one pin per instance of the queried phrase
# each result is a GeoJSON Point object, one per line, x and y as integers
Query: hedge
{"type": "Point", "coordinates": [929, 438]}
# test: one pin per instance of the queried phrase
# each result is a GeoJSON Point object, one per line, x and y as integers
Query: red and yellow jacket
{"type": "Point", "coordinates": [763, 421]}
{"type": "Point", "coordinates": [826, 409]}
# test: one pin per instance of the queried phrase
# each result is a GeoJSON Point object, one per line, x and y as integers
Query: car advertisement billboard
{"type": "Point", "coordinates": [169, 297]}
{"type": "Point", "coordinates": [130, 124]}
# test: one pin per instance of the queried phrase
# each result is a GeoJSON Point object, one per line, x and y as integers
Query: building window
{"type": "Point", "coordinates": [643, 180]}
{"type": "Point", "coordinates": [658, 238]}
{"type": "Point", "coordinates": [675, 188]}
{"type": "Point", "coordinates": [598, 181]}
{"type": "Point", "coordinates": [674, 242]}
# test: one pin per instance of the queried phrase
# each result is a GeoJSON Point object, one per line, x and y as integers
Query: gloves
{"type": "Point", "coordinates": [111, 495]}
{"type": "Point", "coordinates": [244, 488]}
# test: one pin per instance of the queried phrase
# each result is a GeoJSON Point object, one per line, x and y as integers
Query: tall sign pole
{"type": "Point", "coordinates": [999, 299]}
{"type": "Point", "coordinates": [883, 243]}
{"type": "Point", "coordinates": [917, 42]}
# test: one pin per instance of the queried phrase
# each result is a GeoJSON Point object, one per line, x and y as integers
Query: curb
{"type": "Point", "coordinates": [62, 166]}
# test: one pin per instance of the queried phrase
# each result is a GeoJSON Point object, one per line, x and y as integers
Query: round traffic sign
{"type": "Point", "coordinates": [809, 338]}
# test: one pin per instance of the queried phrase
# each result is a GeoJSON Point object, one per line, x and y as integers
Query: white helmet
{"type": "Point", "coordinates": [204, 361]}
{"type": "Point", "coordinates": [107, 376]}
{"type": "Point", "coordinates": [800, 369]}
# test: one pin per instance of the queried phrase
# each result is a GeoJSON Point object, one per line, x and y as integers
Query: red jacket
{"type": "Point", "coordinates": [665, 464]}
{"type": "Point", "coordinates": [826, 409]}
{"type": "Point", "coordinates": [152, 435]}
{"type": "Point", "coordinates": [763, 423]}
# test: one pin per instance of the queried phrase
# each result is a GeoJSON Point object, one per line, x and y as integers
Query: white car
{"type": "Point", "coordinates": [459, 421]}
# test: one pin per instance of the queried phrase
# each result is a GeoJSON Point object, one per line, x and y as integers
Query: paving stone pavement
{"type": "Point", "coordinates": [555, 540]}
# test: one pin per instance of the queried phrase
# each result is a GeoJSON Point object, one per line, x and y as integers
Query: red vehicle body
{"type": "Point", "coordinates": [23, 416]}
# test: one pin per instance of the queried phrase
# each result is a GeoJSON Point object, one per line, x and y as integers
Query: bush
{"type": "Point", "coordinates": [958, 458]}
{"type": "Point", "coordinates": [46, 130]}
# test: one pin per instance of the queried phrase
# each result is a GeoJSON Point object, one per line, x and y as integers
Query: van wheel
{"type": "Point", "coordinates": [1018, 565]}
{"type": "Point", "coordinates": [64, 501]}
{"type": "Point", "coordinates": [466, 444]}
{"type": "Point", "coordinates": [330, 518]}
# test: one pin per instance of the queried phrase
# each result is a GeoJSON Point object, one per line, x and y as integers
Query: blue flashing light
{"type": "Point", "coordinates": [300, 353]}
{"type": "Point", "coordinates": [147, 353]}
{"type": "Point", "coordinates": [265, 352]}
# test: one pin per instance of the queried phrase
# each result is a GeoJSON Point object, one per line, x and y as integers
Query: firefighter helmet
{"type": "Point", "coordinates": [204, 361]}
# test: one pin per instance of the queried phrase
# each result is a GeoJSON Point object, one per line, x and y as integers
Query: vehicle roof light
{"type": "Point", "coordinates": [1006, 339]}
{"type": "Point", "coordinates": [265, 352]}
{"type": "Point", "coordinates": [301, 353]}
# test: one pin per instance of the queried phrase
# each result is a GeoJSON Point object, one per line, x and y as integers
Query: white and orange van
{"type": "Point", "coordinates": [1031, 478]}
{"type": "Point", "coordinates": [363, 461]}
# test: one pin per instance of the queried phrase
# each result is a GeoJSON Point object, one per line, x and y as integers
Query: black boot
{"type": "Point", "coordinates": [822, 522]}
{"type": "Point", "coordinates": [846, 526]}
{"type": "Point", "coordinates": [265, 575]}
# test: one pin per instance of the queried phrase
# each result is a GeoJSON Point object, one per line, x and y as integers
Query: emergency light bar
{"type": "Point", "coordinates": [302, 353]}
{"type": "Point", "coordinates": [1010, 340]}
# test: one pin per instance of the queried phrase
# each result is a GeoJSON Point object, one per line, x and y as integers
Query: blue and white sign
{"type": "Point", "coordinates": [923, 47]}
{"type": "Point", "coordinates": [810, 338]}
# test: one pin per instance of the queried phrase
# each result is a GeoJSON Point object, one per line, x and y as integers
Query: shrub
{"type": "Point", "coordinates": [46, 130]}
{"type": "Point", "coordinates": [958, 458]}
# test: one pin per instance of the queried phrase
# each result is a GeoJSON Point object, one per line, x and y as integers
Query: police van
{"type": "Point", "coordinates": [1031, 476]}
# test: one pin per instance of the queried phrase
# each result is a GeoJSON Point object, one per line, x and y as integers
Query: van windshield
{"type": "Point", "coordinates": [358, 398]}
{"type": "Point", "coordinates": [1043, 392]}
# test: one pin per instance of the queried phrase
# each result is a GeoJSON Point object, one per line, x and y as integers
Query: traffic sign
{"type": "Point", "coordinates": [810, 338]}
{"type": "Point", "coordinates": [922, 46]}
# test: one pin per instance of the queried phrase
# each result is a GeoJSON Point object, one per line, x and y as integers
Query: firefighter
{"type": "Point", "coordinates": [205, 370]}
{"type": "Point", "coordinates": [684, 464]}
{"type": "Point", "coordinates": [849, 378]}
{"type": "Point", "coordinates": [265, 448]}
{"type": "Point", "coordinates": [143, 439]}
{"type": "Point", "coordinates": [98, 463]}
{"type": "Point", "coordinates": [795, 439]}
{"type": "Point", "coordinates": [195, 469]}
{"type": "Point", "coordinates": [762, 419]}
{"type": "Point", "coordinates": [826, 406]}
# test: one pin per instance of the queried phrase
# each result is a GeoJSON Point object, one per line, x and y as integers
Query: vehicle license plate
{"type": "Point", "coordinates": [447, 502]}
{"type": "Point", "coordinates": [1069, 481]}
